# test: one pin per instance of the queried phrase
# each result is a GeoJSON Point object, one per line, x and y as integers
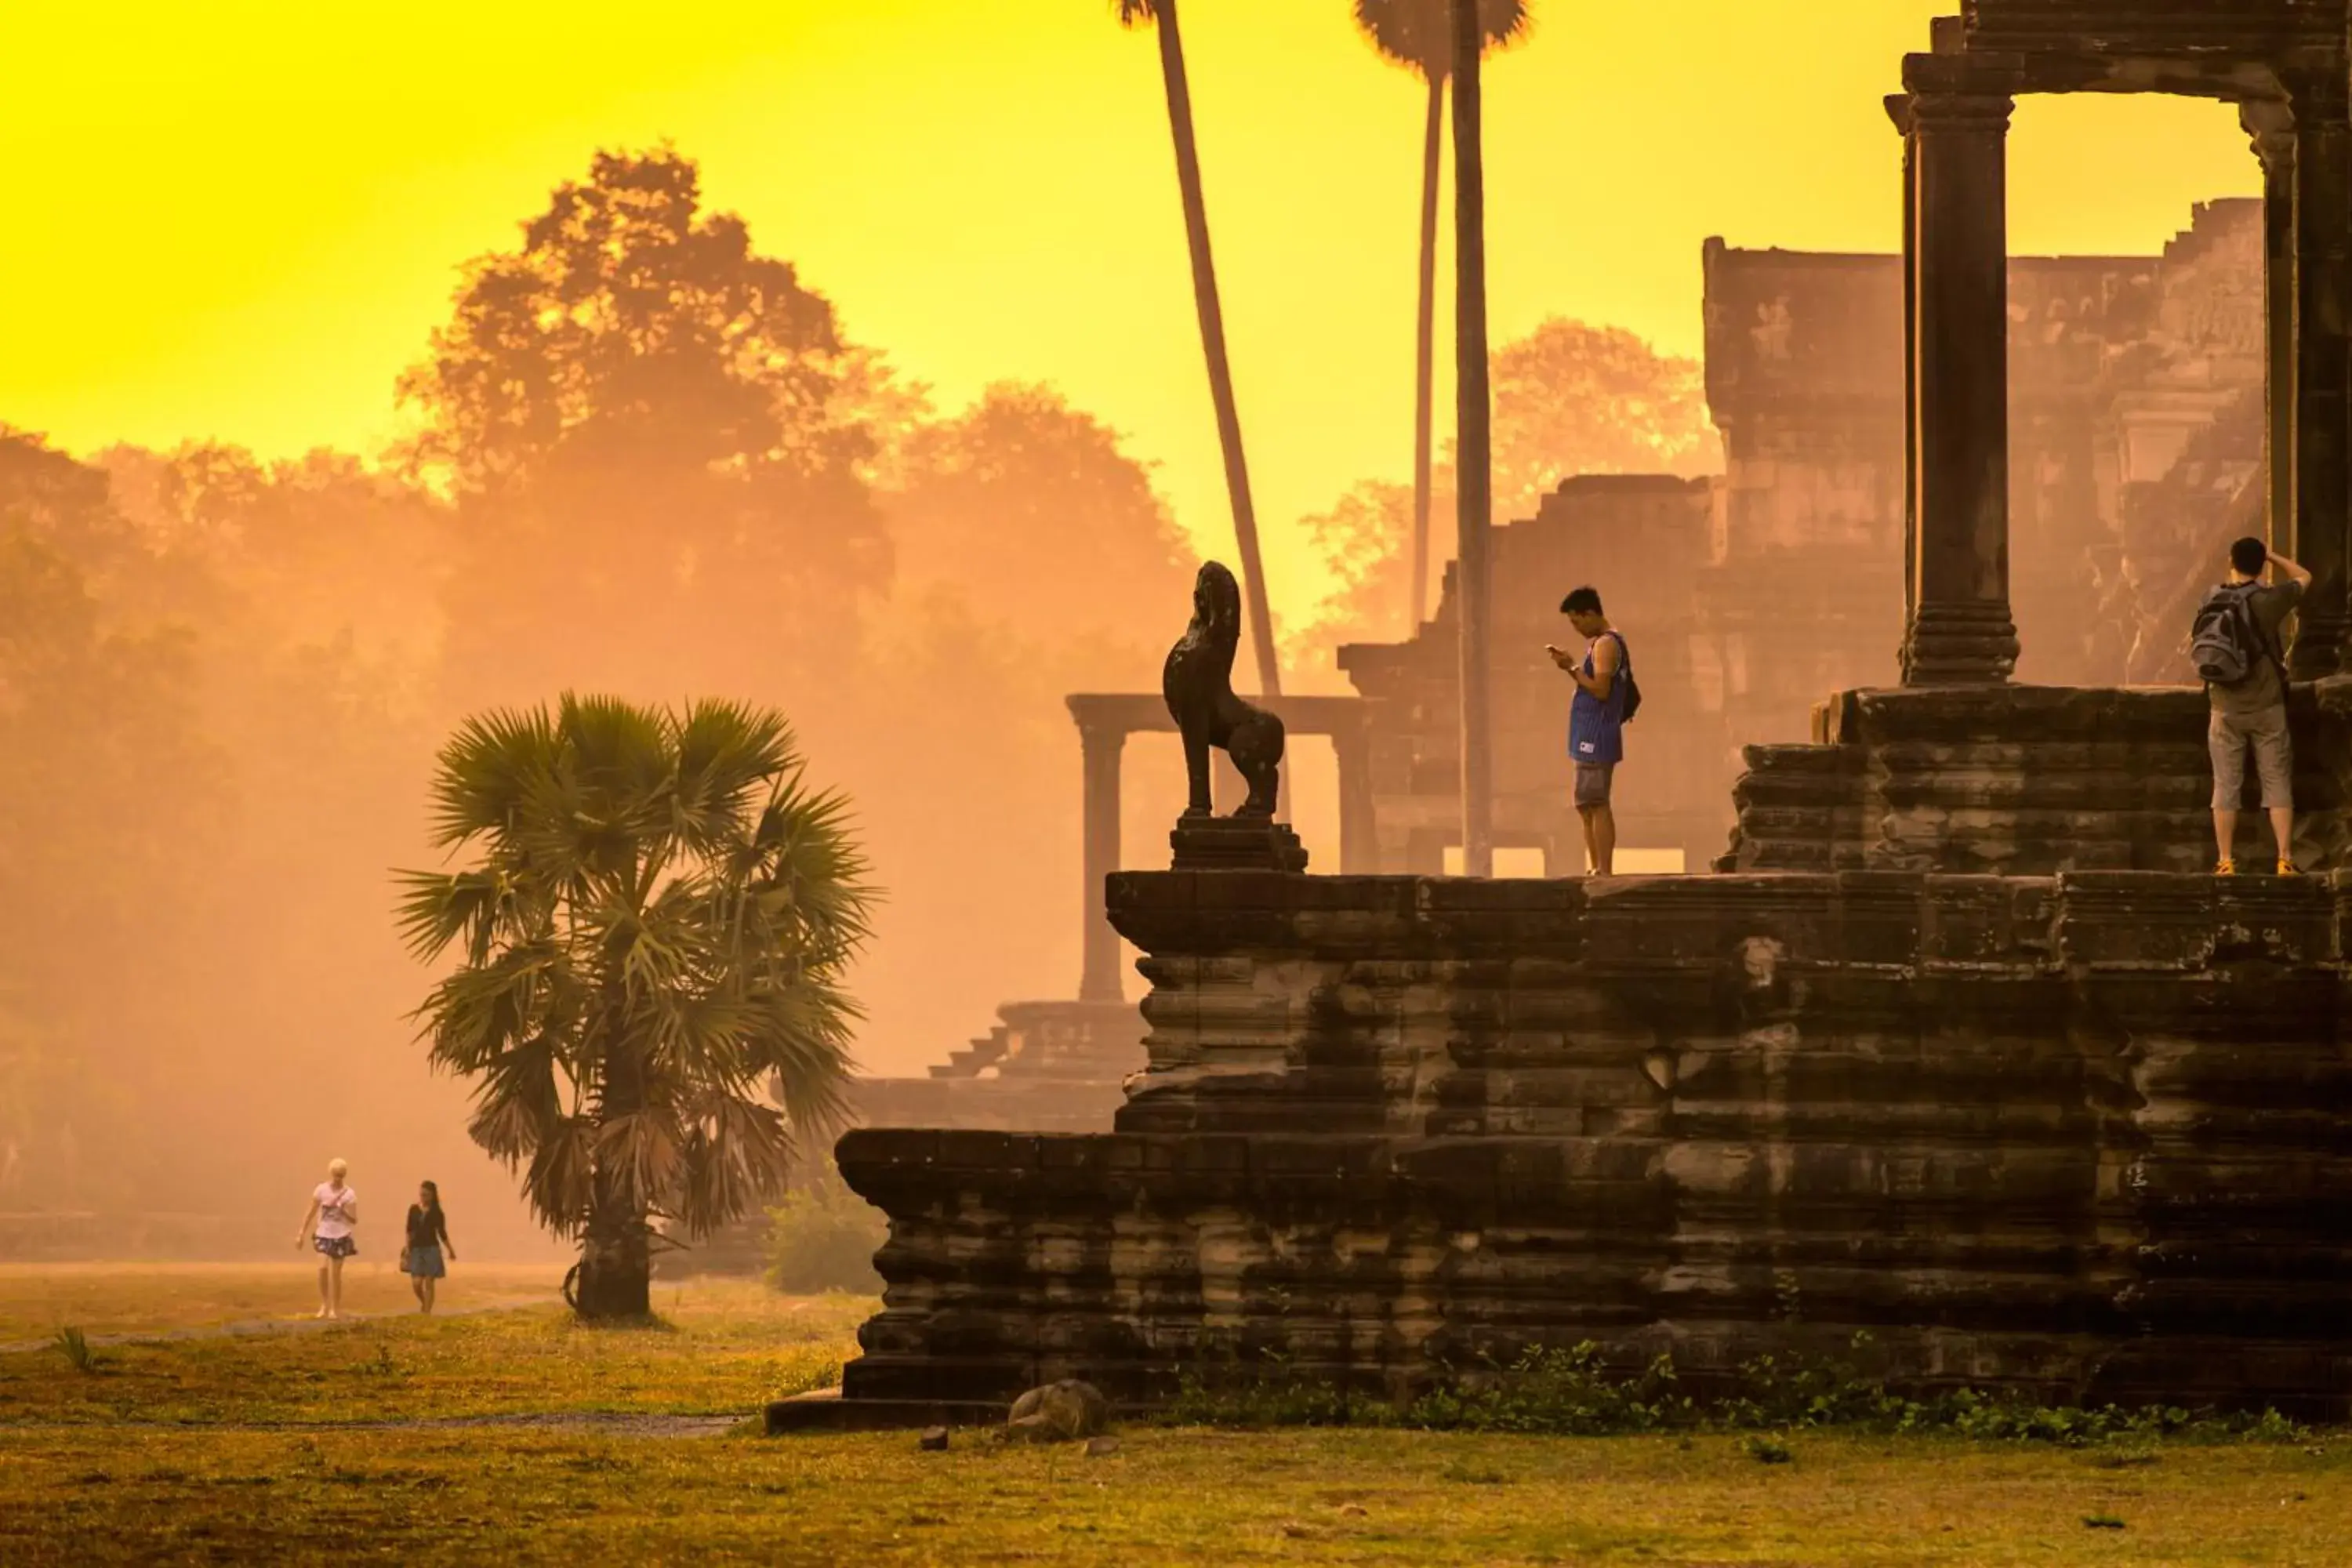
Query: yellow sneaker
{"type": "Point", "coordinates": [2286, 868]}
{"type": "Point", "coordinates": [2226, 868]}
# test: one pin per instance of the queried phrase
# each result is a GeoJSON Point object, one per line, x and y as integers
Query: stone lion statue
{"type": "Point", "coordinates": [1199, 685]}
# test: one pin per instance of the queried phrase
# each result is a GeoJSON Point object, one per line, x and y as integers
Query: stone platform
{"type": "Point", "coordinates": [2028, 781]}
{"type": "Point", "coordinates": [2088, 1136]}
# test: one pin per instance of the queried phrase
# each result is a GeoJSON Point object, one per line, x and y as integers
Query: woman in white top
{"type": "Point", "coordinates": [334, 1214]}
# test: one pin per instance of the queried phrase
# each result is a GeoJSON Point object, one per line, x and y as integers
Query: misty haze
{"type": "Point", "coordinates": [1619, 732]}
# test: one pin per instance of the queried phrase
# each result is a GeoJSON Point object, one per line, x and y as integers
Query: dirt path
{"type": "Point", "coordinates": [612, 1424]}
{"type": "Point", "coordinates": [267, 1326]}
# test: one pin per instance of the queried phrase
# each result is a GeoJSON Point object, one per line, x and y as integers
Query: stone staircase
{"type": "Point", "coordinates": [2025, 781]}
{"type": "Point", "coordinates": [989, 1051]}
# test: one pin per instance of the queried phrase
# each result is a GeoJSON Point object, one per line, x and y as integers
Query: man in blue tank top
{"type": "Point", "coordinates": [1596, 720]}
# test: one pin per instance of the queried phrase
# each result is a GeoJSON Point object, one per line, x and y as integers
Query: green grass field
{"type": "Point", "coordinates": [514, 1435]}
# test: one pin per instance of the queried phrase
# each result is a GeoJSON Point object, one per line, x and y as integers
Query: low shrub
{"type": "Point", "coordinates": [823, 1236]}
{"type": "Point", "coordinates": [1573, 1392]}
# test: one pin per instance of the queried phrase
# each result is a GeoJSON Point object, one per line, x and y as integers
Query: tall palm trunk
{"type": "Point", "coordinates": [615, 1253]}
{"type": "Point", "coordinates": [1425, 349]}
{"type": "Point", "coordinates": [1475, 480]}
{"type": "Point", "coordinates": [1212, 343]}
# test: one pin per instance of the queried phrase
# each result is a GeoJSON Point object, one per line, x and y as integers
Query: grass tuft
{"type": "Point", "coordinates": [74, 1345]}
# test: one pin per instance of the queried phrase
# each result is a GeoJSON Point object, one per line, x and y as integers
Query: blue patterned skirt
{"type": "Point", "coordinates": [334, 1245]}
{"type": "Point", "coordinates": [423, 1262]}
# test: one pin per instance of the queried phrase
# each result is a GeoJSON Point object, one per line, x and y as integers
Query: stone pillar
{"type": "Point", "coordinates": [1359, 847]}
{"type": "Point", "coordinates": [1100, 747]}
{"type": "Point", "coordinates": [2270, 127]}
{"type": "Point", "coordinates": [2323, 400]}
{"type": "Point", "coordinates": [1898, 109]}
{"type": "Point", "coordinates": [1959, 630]}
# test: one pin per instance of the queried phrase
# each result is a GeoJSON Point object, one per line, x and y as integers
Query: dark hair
{"type": "Point", "coordinates": [432, 1196]}
{"type": "Point", "coordinates": [1581, 602]}
{"type": "Point", "coordinates": [2249, 555]}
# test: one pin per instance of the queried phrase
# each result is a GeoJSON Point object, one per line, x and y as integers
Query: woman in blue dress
{"type": "Point", "coordinates": [428, 1240]}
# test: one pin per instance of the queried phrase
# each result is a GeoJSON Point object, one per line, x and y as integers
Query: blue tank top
{"type": "Point", "coordinates": [1596, 729]}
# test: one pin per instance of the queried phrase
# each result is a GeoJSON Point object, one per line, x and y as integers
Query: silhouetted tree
{"type": "Point", "coordinates": [1419, 35]}
{"type": "Point", "coordinates": [652, 937]}
{"type": "Point", "coordinates": [1569, 399]}
{"type": "Point", "coordinates": [111, 791]}
{"type": "Point", "coordinates": [1574, 399]}
{"type": "Point", "coordinates": [649, 423]}
{"type": "Point", "coordinates": [1027, 509]}
{"type": "Point", "coordinates": [1135, 12]}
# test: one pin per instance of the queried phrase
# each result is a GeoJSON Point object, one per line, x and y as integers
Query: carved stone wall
{"type": "Point", "coordinates": [2089, 1136]}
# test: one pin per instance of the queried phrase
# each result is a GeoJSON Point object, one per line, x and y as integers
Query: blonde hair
{"type": "Point", "coordinates": [338, 1167]}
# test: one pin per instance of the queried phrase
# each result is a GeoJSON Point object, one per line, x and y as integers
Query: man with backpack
{"type": "Point", "coordinates": [2237, 648]}
{"type": "Point", "coordinates": [1606, 699]}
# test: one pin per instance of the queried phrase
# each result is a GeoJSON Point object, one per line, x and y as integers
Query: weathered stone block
{"type": "Point", "coordinates": [2088, 1135]}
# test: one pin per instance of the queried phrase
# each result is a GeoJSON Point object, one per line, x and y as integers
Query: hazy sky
{"type": "Point", "coordinates": [239, 220]}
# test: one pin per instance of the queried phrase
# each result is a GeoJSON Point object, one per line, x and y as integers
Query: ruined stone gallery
{"type": "Point", "coordinates": [1960, 1043]}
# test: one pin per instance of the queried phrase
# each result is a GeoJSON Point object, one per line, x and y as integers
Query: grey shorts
{"type": "Point", "coordinates": [1592, 781]}
{"type": "Point", "coordinates": [2229, 735]}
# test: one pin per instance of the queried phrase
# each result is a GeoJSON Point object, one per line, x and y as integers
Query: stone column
{"type": "Point", "coordinates": [1358, 848]}
{"type": "Point", "coordinates": [1960, 631]}
{"type": "Point", "coordinates": [1898, 109]}
{"type": "Point", "coordinates": [1100, 747]}
{"type": "Point", "coordinates": [2270, 127]}
{"type": "Point", "coordinates": [2323, 410]}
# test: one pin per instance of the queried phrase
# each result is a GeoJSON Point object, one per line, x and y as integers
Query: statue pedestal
{"type": "Point", "coordinates": [1235, 844]}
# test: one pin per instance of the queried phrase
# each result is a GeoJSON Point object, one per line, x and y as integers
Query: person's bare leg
{"type": "Point", "coordinates": [416, 1283]}
{"type": "Point", "coordinates": [335, 1287]}
{"type": "Point", "coordinates": [432, 1288]}
{"type": "Point", "coordinates": [1592, 849]}
{"type": "Point", "coordinates": [2225, 832]}
{"type": "Point", "coordinates": [2283, 828]}
{"type": "Point", "coordinates": [1604, 841]}
{"type": "Point", "coordinates": [326, 1301]}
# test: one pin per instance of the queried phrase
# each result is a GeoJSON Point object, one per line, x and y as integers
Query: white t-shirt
{"type": "Point", "coordinates": [332, 1219]}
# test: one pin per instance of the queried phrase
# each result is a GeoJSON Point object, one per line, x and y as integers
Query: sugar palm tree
{"type": "Point", "coordinates": [1162, 13]}
{"type": "Point", "coordinates": [651, 937]}
{"type": "Point", "coordinates": [1419, 35]}
{"type": "Point", "coordinates": [1473, 440]}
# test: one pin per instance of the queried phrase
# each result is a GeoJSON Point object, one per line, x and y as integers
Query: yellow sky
{"type": "Point", "coordinates": [240, 220]}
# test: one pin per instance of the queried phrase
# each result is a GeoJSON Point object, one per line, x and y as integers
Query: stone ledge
{"type": "Point", "coordinates": [825, 1410]}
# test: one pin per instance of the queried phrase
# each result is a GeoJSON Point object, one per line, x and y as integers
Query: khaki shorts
{"type": "Point", "coordinates": [2229, 735]}
{"type": "Point", "coordinates": [1592, 781]}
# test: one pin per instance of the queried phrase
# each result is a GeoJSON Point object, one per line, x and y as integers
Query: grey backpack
{"type": "Point", "coordinates": [2225, 643]}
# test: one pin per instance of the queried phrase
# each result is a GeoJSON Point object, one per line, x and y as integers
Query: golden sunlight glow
{"type": "Point", "coordinates": [241, 220]}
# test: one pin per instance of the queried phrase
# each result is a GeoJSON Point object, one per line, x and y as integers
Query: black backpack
{"type": "Point", "coordinates": [2225, 643]}
{"type": "Point", "coordinates": [1625, 674]}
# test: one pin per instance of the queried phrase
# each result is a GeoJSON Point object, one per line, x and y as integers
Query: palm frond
{"type": "Point", "coordinates": [638, 1154]}
{"type": "Point", "coordinates": [438, 908]}
{"type": "Point", "coordinates": [484, 771]}
{"type": "Point", "coordinates": [1419, 34]}
{"type": "Point", "coordinates": [736, 1155]}
{"type": "Point", "coordinates": [560, 1183]}
{"type": "Point", "coordinates": [518, 1104]}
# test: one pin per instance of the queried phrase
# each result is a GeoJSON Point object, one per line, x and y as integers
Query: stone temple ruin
{"type": "Point", "coordinates": [1959, 1043]}
{"type": "Point", "coordinates": [2137, 443]}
